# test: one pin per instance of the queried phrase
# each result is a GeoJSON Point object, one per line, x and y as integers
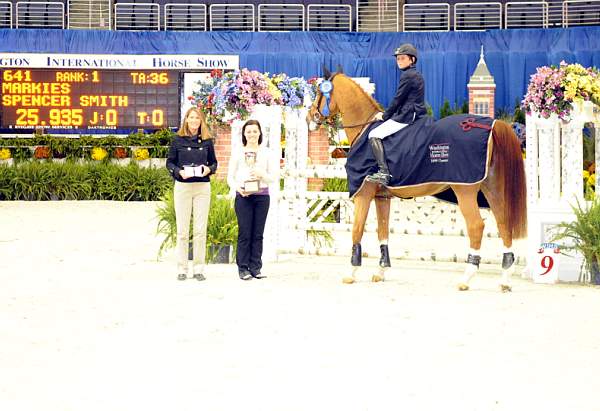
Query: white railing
{"type": "Point", "coordinates": [329, 17]}
{"type": "Point", "coordinates": [238, 17]}
{"type": "Point", "coordinates": [477, 16]}
{"type": "Point", "coordinates": [380, 15]}
{"type": "Point", "coordinates": [581, 13]}
{"type": "Point", "coordinates": [371, 15]}
{"type": "Point", "coordinates": [6, 15]}
{"type": "Point", "coordinates": [281, 17]}
{"type": "Point", "coordinates": [137, 16]}
{"type": "Point", "coordinates": [185, 16]}
{"type": "Point", "coordinates": [47, 15]}
{"type": "Point", "coordinates": [526, 14]}
{"type": "Point", "coordinates": [89, 14]}
{"type": "Point", "coordinates": [426, 17]}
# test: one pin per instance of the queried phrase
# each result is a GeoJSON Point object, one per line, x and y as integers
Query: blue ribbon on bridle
{"type": "Point", "coordinates": [326, 107]}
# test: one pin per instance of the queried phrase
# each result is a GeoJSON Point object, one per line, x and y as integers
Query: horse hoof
{"type": "Point", "coordinates": [348, 280]}
{"type": "Point", "coordinates": [377, 278]}
{"type": "Point", "coordinates": [505, 288]}
{"type": "Point", "coordinates": [463, 287]}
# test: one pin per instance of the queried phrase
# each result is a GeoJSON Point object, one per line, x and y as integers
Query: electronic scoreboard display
{"type": "Point", "coordinates": [89, 99]}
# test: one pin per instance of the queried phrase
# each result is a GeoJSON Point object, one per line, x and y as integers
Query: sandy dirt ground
{"type": "Point", "coordinates": [90, 320]}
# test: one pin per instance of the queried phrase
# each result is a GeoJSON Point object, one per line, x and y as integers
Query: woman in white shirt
{"type": "Point", "coordinates": [251, 170]}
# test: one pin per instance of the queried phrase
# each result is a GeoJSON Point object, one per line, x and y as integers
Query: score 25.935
{"type": "Point", "coordinates": [74, 117]}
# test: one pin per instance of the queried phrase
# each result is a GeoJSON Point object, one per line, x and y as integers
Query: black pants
{"type": "Point", "coordinates": [251, 214]}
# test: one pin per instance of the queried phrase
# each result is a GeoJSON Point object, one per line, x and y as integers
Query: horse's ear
{"type": "Point", "coordinates": [326, 73]}
{"type": "Point", "coordinates": [340, 69]}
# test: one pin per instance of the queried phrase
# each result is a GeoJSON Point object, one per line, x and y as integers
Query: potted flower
{"type": "Point", "coordinates": [558, 90]}
{"type": "Point", "coordinates": [583, 236]}
{"type": "Point", "coordinates": [141, 156]}
{"type": "Point", "coordinates": [99, 153]}
{"type": "Point", "coordinates": [5, 156]}
{"type": "Point", "coordinates": [41, 152]}
{"type": "Point", "coordinates": [120, 155]}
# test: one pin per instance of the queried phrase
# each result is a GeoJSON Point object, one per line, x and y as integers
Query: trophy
{"type": "Point", "coordinates": [251, 186]}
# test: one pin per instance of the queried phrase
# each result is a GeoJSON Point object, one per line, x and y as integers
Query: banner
{"type": "Point", "coordinates": [121, 61]}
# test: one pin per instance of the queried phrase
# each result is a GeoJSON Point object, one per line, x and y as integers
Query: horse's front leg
{"type": "Point", "coordinates": [383, 233]}
{"type": "Point", "coordinates": [362, 201]}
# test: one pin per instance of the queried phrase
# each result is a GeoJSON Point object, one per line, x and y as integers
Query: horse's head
{"type": "Point", "coordinates": [325, 106]}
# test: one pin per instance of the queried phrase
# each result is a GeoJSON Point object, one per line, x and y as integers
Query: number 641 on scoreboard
{"type": "Point", "coordinates": [546, 264]}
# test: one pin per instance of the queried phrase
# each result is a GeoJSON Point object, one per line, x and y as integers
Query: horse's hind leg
{"type": "Point", "coordinates": [497, 205]}
{"type": "Point", "coordinates": [467, 202]}
{"type": "Point", "coordinates": [382, 205]}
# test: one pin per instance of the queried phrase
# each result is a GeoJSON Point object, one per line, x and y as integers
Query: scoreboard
{"type": "Point", "coordinates": [89, 99]}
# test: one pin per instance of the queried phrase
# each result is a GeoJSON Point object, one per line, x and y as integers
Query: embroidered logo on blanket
{"type": "Point", "coordinates": [439, 153]}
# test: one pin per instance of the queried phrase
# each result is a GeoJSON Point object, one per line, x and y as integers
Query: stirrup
{"type": "Point", "coordinates": [379, 178]}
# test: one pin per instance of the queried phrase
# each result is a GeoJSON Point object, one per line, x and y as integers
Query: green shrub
{"type": "Point", "coordinates": [39, 180]}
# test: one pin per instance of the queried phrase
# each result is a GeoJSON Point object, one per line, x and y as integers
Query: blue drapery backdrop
{"type": "Point", "coordinates": [447, 60]}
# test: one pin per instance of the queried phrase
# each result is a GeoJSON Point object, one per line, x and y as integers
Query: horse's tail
{"type": "Point", "coordinates": [511, 172]}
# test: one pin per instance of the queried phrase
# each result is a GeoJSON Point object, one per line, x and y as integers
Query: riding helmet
{"type": "Point", "coordinates": [407, 49]}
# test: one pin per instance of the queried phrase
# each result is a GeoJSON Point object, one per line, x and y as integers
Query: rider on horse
{"type": "Point", "coordinates": [407, 106]}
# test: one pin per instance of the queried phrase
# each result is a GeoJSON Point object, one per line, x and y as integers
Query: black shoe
{"type": "Point", "coordinates": [199, 277]}
{"type": "Point", "coordinates": [379, 178]}
{"type": "Point", "coordinates": [181, 277]}
{"type": "Point", "coordinates": [257, 275]}
{"type": "Point", "coordinates": [245, 275]}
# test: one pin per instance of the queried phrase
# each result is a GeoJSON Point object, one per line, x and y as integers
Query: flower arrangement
{"type": "Point", "coordinates": [99, 153]}
{"type": "Point", "coordinates": [41, 152]}
{"type": "Point", "coordinates": [230, 96]}
{"type": "Point", "coordinates": [120, 152]}
{"type": "Point", "coordinates": [141, 154]}
{"type": "Point", "coordinates": [5, 154]}
{"type": "Point", "coordinates": [553, 90]}
{"type": "Point", "coordinates": [295, 91]}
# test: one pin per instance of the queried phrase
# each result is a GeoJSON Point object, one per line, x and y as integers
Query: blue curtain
{"type": "Point", "coordinates": [447, 60]}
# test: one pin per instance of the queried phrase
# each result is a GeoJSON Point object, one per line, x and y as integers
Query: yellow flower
{"type": "Point", "coordinates": [5, 154]}
{"type": "Point", "coordinates": [99, 154]}
{"type": "Point", "coordinates": [586, 174]}
{"type": "Point", "coordinates": [141, 154]}
{"type": "Point", "coordinates": [592, 180]}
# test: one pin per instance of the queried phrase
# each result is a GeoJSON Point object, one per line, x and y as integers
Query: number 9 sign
{"type": "Point", "coordinates": [546, 264]}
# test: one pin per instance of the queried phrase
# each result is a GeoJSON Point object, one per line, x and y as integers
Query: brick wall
{"type": "Point", "coordinates": [223, 150]}
{"type": "Point", "coordinates": [318, 152]}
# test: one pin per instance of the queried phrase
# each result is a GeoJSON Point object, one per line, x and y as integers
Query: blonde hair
{"type": "Point", "coordinates": [204, 131]}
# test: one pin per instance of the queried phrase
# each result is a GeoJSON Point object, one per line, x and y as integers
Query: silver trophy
{"type": "Point", "coordinates": [251, 186]}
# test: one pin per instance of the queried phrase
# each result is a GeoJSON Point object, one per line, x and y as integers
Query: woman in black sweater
{"type": "Point", "coordinates": [191, 161]}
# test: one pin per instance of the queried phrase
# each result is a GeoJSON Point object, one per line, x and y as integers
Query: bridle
{"type": "Point", "coordinates": [320, 118]}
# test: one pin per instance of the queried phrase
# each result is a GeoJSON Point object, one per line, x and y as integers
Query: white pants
{"type": "Point", "coordinates": [388, 128]}
{"type": "Point", "coordinates": [188, 196]}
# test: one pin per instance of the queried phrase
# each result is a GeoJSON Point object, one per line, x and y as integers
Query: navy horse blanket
{"type": "Point", "coordinates": [451, 150]}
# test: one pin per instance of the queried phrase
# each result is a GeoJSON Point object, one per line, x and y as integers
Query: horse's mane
{"type": "Point", "coordinates": [356, 86]}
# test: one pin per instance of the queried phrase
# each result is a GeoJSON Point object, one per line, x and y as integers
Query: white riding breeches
{"type": "Point", "coordinates": [387, 128]}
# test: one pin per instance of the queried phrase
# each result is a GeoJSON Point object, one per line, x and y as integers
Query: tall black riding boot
{"type": "Point", "coordinates": [383, 175]}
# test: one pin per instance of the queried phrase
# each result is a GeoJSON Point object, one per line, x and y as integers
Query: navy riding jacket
{"type": "Point", "coordinates": [409, 102]}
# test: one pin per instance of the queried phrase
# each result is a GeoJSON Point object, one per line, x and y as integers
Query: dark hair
{"type": "Point", "coordinates": [251, 123]}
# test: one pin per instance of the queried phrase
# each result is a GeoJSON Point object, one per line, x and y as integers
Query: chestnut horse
{"type": "Point", "coordinates": [503, 185]}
